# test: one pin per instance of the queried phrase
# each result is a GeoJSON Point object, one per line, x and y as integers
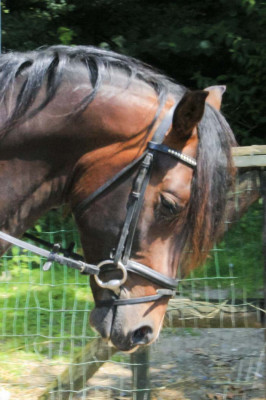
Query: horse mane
{"type": "Point", "coordinates": [213, 176]}
{"type": "Point", "coordinates": [212, 179]}
{"type": "Point", "coordinates": [46, 67]}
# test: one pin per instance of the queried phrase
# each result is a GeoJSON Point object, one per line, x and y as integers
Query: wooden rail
{"type": "Point", "coordinates": [249, 156]}
{"type": "Point", "coordinates": [186, 313]}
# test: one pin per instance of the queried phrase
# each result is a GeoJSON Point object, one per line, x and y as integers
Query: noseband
{"type": "Point", "coordinates": [120, 258]}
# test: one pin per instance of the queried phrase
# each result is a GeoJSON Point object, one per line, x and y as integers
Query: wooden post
{"type": "Point", "coordinates": [263, 192]}
{"type": "Point", "coordinates": [83, 367]}
{"type": "Point", "coordinates": [141, 374]}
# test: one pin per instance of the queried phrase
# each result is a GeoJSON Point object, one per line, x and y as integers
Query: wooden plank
{"type": "Point", "coordinates": [183, 312]}
{"type": "Point", "coordinates": [249, 150]}
{"type": "Point", "coordinates": [263, 192]}
{"type": "Point", "coordinates": [140, 361]}
{"type": "Point", "coordinates": [250, 161]}
{"type": "Point", "coordinates": [83, 367]}
{"type": "Point", "coordinates": [249, 156]}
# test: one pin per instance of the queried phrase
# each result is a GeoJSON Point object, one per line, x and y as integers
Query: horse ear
{"type": "Point", "coordinates": [189, 112]}
{"type": "Point", "coordinates": [215, 95]}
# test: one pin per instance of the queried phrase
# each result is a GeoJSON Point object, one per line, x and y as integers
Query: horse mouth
{"type": "Point", "coordinates": [101, 319]}
{"type": "Point", "coordinates": [114, 329]}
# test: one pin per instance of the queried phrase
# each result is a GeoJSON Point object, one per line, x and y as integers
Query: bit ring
{"type": "Point", "coordinates": [113, 284]}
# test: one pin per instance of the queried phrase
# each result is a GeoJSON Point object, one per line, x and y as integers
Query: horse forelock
{"type": "Point", "coordinates": [46, 67]}
{"type": "Point", "coordinates": [212, 179]}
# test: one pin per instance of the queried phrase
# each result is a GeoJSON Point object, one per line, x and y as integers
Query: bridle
{"type": "Point", "coordinates": [120, 258]}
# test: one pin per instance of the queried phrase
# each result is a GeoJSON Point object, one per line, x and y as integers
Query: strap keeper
{"type": "Point", "coordinates": [135, 195]}
{"type": "Point", "coordinates": [153, 145]}
{"type": "Point", "coordinates": [147, 160]}
{"type": "Point", "coordinates": [166, 292]}
{"type": "Point", "coordinates": [52, 257]}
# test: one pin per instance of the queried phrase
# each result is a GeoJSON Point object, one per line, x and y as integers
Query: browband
{"type": "Point", "coordinates": [174, 153]}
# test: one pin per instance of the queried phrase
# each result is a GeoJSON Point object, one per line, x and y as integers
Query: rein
{"type": "Point", "coordinates": [121, 258]}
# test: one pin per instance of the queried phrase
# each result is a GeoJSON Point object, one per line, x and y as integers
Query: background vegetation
{"type": "Point", "coordinates": [44, 315]}
{"type": "Point", "coordinates": [198, 43]}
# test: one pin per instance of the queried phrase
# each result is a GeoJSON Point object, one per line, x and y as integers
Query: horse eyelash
{"type": "Point", "coordinates": [172, 215]}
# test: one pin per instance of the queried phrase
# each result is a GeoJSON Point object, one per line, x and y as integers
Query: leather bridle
{"type": "Point", "coordinates": [120, 259]}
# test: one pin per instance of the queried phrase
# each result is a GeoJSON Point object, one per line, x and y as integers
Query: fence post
{"type": "Point", "coordinates": [85, 364]}
{"type": "Point", "coordinates": [263, 192]}
{"type": "Point", "coordinates": [141, 374]}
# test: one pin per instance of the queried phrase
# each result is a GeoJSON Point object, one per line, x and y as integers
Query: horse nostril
{"type": "Point", "coordinates": [142, 335]}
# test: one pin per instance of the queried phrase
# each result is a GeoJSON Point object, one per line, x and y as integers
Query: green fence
{"type": "Point", "coordinates": [49, 351]}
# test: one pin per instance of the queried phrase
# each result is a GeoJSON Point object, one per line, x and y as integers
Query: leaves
{"type": "Point", "coordinates": [197, 43]}
{"type": "Point", "coordinates": [65, 35]}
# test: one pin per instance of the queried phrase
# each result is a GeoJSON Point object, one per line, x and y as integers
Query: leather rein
{"type": "Point", "coordinates": [120, 259]}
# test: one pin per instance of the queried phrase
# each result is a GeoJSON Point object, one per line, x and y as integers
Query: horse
{"type": "Point", "coordinates": [144, 164]}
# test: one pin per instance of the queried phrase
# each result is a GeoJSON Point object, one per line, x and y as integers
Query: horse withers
{"type": "Point", "coordinates": [144, 163]}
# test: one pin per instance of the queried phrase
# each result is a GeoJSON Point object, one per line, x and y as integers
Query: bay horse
{"type": "Point", "coordinates": [80, 125]}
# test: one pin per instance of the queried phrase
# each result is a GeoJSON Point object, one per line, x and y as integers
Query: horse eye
{"type": "Point", "coordinates": [169, 206]}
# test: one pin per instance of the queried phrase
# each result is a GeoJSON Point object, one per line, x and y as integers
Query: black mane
{"type": "Point", "coordinates": [47, 66]}
{"type": "Point", "coordinates": [212, 179]}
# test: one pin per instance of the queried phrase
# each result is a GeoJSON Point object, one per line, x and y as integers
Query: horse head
{"type": "Point", "coordinates": [167, 230]}
{"type": "Point", "coordinates": [144, 163]}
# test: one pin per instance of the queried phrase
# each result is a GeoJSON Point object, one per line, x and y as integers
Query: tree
{"type": "Point", "coordinates": [196, 43]}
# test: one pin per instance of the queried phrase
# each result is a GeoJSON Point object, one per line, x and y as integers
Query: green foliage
{"type": "Point", "coordinates": [44, 313]}
{"type": "Point", "coordinates": [197, 43]}
{"type": "Point", "coordinates": [235, 264]}
{"type": "Point", "coordinates": [65, 35]}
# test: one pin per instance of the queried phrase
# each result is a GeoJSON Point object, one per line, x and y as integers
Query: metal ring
{"type": "Point", "coordinates": [113, 284]}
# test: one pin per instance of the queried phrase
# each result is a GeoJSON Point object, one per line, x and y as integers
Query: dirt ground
{"type": "Point", "coordinates": [193, 365]}
{"type": "Point", "coordinates": [185, 364]}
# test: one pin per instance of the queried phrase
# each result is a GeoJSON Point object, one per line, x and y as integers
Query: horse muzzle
{"type": "Point", "coordinates": [124, 327]}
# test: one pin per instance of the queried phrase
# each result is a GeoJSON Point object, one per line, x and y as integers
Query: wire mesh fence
{"type": "Point", "coordinates": [49, 351]}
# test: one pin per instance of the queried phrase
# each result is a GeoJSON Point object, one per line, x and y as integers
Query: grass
{"type": "Point", "coordinates": [43, 323]}
{"type": "Point", "coordinates": [44, 316]}
{"type": "Point", "coordinates": [35, 306]}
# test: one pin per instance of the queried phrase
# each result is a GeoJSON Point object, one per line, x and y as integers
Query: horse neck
{"type": "Point", "coordinates": [37, 159]}
{"type": "Point", "coordinates": [30, 187]}
{"type": "Point", "coordinates": [35, 164]}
